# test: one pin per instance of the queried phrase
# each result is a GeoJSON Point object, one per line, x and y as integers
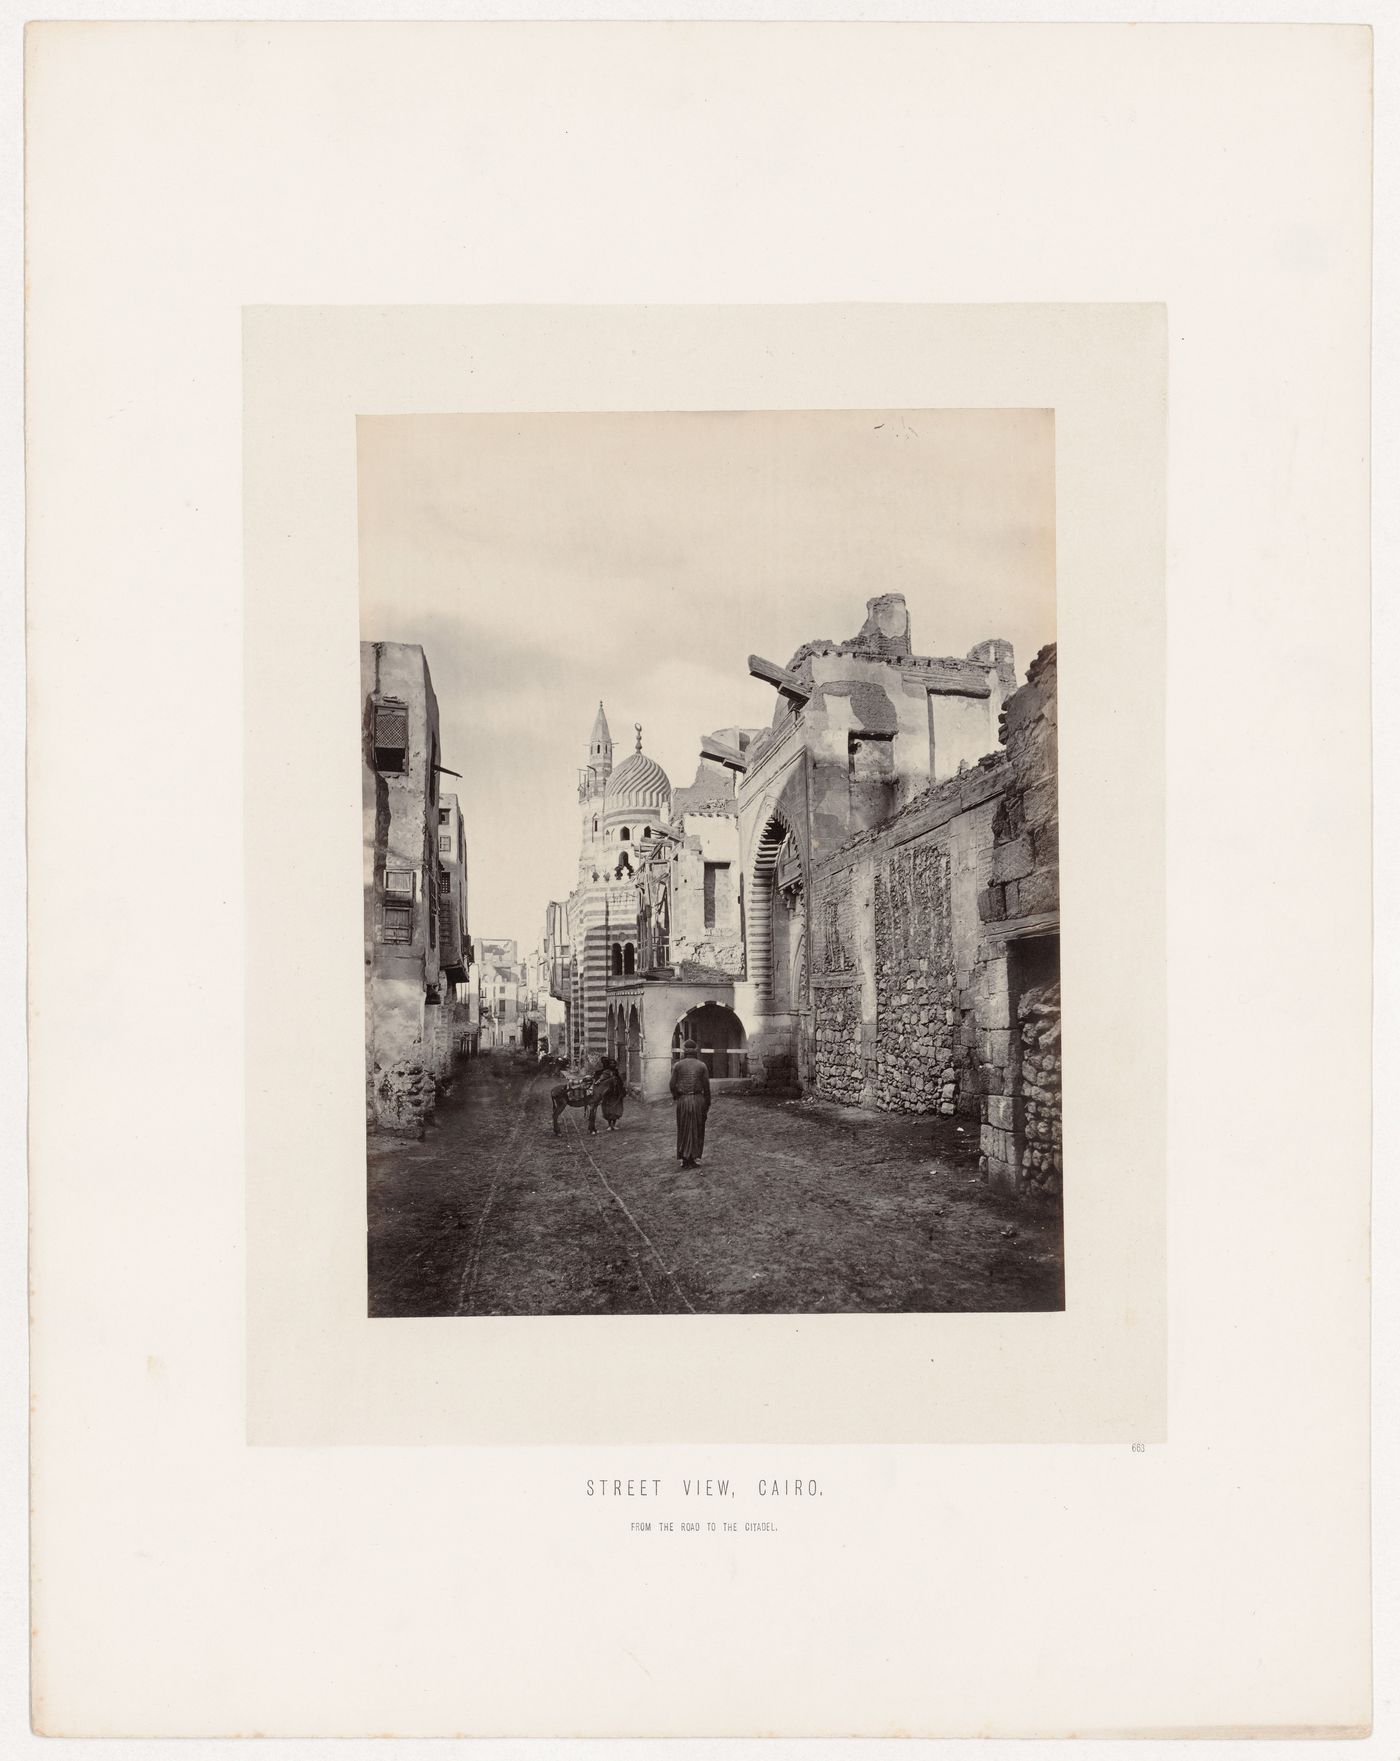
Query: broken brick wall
{"type": "Point", "coordinates": [844, 1049]}
{"type": "Point", "coordinates": [897, 934]}
{"type": "Point", "coordinates": [1019, 966]}
{"type": "Point", "coordinates": [915, 981]}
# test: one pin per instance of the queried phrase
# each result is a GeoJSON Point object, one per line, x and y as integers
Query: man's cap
{"type": "Point", "coordinates": [692, 1046]}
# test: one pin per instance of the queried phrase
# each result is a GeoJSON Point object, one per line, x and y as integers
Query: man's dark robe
{"type": "Point", "coordinates": [615, 1098]}
{"type": "Point", "coordinates": [690, 1085]}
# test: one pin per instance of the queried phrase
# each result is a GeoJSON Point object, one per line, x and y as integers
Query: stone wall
{"type": "Point", "coordinates": [401, 1090]}
{"type": "Point", "coordinates": [915, 982]}
{"type": "Point", "coordinates": [897, 939]}
{"type": "Point", "coordinates": [400, 835]}
{"type": "Point", "coordinates": [1026, 867]}
{"type": "Point", "coordinates": [839, 1060]}
{"type": "Point", "coordinates": [837, 930]}
{"type": "Point", "coordinates": [1018, 973]}
{"type": "Point", "coordinates": [1040, 1113]}
{"type": "Point", "coordinates": [929, 929]}
{"type": "Point", "coordinates": [936, 952]}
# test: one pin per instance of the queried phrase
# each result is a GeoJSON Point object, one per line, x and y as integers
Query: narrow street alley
{"type": "Point", "coordinates": [797, 1207]}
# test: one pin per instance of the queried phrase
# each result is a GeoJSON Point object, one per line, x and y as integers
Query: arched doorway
{"type": "Point", "coordinates": [719, 1033]}
{"type": "Point", "coordinates": [634, 1047]}
{"type": "Point", "coordinates": [778, 920]}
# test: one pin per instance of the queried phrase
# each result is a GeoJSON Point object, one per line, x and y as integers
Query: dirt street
{"type": "Point", "coordinates": [797, 1207]}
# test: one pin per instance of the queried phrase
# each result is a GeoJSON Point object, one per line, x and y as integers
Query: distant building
{"type": "Point", "coordinates": [500, 950]}
{"type": "Point", "coordinates": [454, 940]}
{"type": "Point", "coordinates": [690, 925]}
{"type": "Point", "coordinates": [504, 995]}
{"type": "Point", "coordinates": [554, 1028]}
{"type": "Point", "coordinates": [416, 943]}
{"type": "Point", "coordinates": [454, 943]}
{"type": "Point", "coordinates": [557, 974]}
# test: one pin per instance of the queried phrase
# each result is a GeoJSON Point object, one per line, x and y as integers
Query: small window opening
{"type": "Point", "coordinates": [391, 737]}
{"type": "Point", "coordinates": [719, 898]}
{"type": "Point", "coordinates": [398, 922]}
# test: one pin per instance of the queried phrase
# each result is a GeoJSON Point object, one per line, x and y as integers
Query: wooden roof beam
{"type": "Point", "coordinates": [791, 685]}
{"type": "Point", "coordinates": [720, 752]}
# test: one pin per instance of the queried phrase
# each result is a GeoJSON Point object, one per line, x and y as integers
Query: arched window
{"type": "Point", "coordinates": [625, 834]}
{"type": "Point", "coordinates": [595, 825]}
{"type": "Point", "coordinates": [617, 959]}
{"type": "Point", "coordinates": [647, 832]}
{"type": "Point", "coordinates": [629, 958]}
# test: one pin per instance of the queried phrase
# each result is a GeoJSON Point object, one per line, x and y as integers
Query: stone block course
{"type": "Point", "coordinates": [1014, 858]}
{"type": "Point", "coordinates": [1000, 1112]}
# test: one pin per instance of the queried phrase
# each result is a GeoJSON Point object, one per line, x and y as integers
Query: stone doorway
{"type": "Point", "coordinates": [720, 1035]}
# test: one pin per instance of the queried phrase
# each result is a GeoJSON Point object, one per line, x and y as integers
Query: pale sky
{"type": "Point", "coordinates": [547, 561]}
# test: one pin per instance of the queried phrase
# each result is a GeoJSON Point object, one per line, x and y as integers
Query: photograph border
{"type": "Point", "coordinates": [318, 1371]}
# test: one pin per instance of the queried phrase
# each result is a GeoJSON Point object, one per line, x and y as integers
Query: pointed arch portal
{"type": "Point", "coordinates": [778, 920]}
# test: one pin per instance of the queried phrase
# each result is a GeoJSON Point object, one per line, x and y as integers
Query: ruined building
{"type": "Point", "coordinates": [901, 886]}
{"type": "Point", "coordinates": [417, 947]}
{"type": "Point", "coordinates": [860, 900]}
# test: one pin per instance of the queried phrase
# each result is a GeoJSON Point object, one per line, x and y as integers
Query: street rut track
{"type": "Point", "coordinates": [429, 1244]}
{"type": "Point", "coordinates": [508, 1161]}
{"type": "Point", "coordinates": [576, 1142]}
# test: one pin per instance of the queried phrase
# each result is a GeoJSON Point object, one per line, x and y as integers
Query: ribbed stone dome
{"type": "Point", "coordinates": [638, 781]}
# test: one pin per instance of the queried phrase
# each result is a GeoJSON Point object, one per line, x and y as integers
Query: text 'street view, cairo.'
{"type": "Point", "coordinates": [711, 863]}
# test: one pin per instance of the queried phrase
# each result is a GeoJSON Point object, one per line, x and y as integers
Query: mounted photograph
{"type": "Point", "coordinates": [711, 863]}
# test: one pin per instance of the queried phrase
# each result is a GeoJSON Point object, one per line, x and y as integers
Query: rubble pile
{"type": "Point", "coordinates": [1041, 1109]}
{"type": "Point", "coordinates": [405, 1094]}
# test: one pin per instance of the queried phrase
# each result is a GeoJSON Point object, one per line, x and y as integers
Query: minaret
{"type": "Point", "coordinates": [592, 785]}
{"type": "Point", "coordinates": [600, 746]}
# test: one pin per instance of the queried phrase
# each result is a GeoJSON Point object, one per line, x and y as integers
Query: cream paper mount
{"type": "Point", "coordinates": [320, 1371]}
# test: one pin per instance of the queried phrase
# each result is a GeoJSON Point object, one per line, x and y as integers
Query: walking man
{"type": "Point", "coordinates": [690, 1085]}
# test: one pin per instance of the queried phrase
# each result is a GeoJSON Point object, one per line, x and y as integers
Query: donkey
{"type": "Point", "coordinates": [591, 1093]}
